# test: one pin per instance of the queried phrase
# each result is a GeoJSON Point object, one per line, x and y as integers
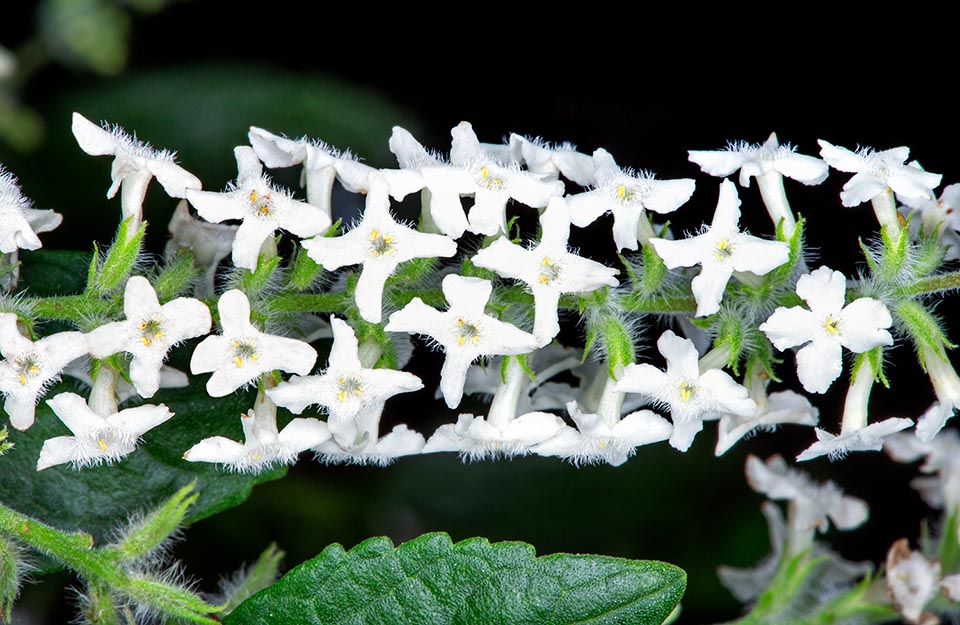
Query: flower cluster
{"type": "Point", "coordinates": [490, 284]}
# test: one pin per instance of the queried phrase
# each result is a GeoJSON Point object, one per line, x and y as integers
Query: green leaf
{"type": "Point", "coordinates": [431, 580]}
{"type": "Point", "coordinates": [949, 552]}
{"type": "Point", "coordinates": [100, 499]}
{"type": "Point", "coordinates": [54, 272]}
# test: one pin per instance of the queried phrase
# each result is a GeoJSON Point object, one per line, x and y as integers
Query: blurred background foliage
{"type": "Point", "coordinates": [193, 75]}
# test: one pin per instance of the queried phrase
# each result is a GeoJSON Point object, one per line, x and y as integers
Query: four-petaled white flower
{"type": "Point", "coordinates": [475, 169]}
{"type": "Point", "coordinates": [323, 164]}
{"type": "Point", "coordinates": [779, 408]}
{"type": "Point", "coordinates": [135, 163]}
{"type": "Point", "coordinates": [876, 171]}
{"type": "Point", "coordinates": [370, 449]}
{"type": "Point", "coordinates": [867, 438]}
{"type": "Point", "coordinates": [598, 439]}
{"type": "Point", "coordinates": [626, 193]}
{"type": "Point", "coordinates": [29, 367]}
{"type": "Point", "coordinates": [380, 244]}
{"type": "Point", "coordinates": [346, 388]}
{"type": "Point", "coordinates": [263, 446]}
{"type": "Point", "coordinates": [263, 207]}
{"type": "Point", "coordinates": [827, 326]}
{"type": "Point", "coordinates": [549, 268]}
{"type": "Point", "coordinates": [692, 396]}
{"type": "Point", "coordinates": [464, 330]}
{"type": "Point", "coordinates": [19, 221]}
{"type": "Point", "coordinates": [755, 160]}
{"type": "Point", "coordinates": [721, 250]}
{"type": "Point", "coordinates": [241, 353]}
{"type": "Point", "coordinates": [477, 438]}
{"type": "Point", "coordinates": [149, 332]}
{"type": "Point", "coordinates": [96, 438]}
{"type": "Point", "coordinates": [815, 505]}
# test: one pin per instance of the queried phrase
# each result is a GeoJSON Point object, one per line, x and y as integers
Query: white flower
{"type": "Point", "coordinates": [346, 388]}
{"type": "Point", "coordinates": [263, 446]}
{"type": "Point", "coordinates": [875, 172]}
{"type": "Point", "coordinates": [380, 244]}
{"type": "Point", "coordinates": [815, 505]}
{"type": "Point", "coordinates": [826, 327]}
{"type": "Point", "coordinates": [149, 332]}
{"type": "Point", "coordinates": [478, 438]}
{"type": "Point", "coordinates": [371, 450]}
{"type": "Point", "coordinates": [946, 385]}
{"type": "Point", "coordinates": [19, 221]}
{"type": "Point", "coordinates": [913, 581]}
{"type": "Point", "coordinates": [779, 408]}
{"type": "Point", "coordinates": [626, 193]}
{"type": "Point", "coordinates": [241, 353]}
{"type": "Point", "coordinates": [868, 438]}
{"type": "Point", "coordinates": [755, 160]}
{"type": "Point", "coordinates": [941, 457]}
{"type": "Point", "coordinates": [210, 244]}
{"type": "Point", "coordinates": [263, 208]}
{"type": "Point", "coordinates": [721, 250]}
{"type": "Point", "coordinates": [940, 216]}
{"type": "Point", "coordinates": [169, 378]}
{"type": "Point", "coordinates": [474, 170]}
{"type": "Point", "coordinates": [554, 160]}
{"type": "Point", "coordinates": [135, 163]}
{"type": "Point", "coordinates": [691, 396]}
{"type": "Point", "coordinates": [502, 433]}
{"type": "Point", "coordinates": [29, 367]}
{"type": "Point", "coordinates": [322, 164]}
{"type": "Point", "coordinates": [464, 331]}
{"type": "Point", "coordinates": [598, 439]}
{"type": "Point", "coordinates": [832, 571]}
{"type": "Point", "coordinates": [549, 268]}
{"type": "Point", "coordinates": [96, 439]}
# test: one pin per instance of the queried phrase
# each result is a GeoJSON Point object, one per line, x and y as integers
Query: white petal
{"type": "Point", "coordinates": [840, 157]}
{"type": "Point", "coordinates": [863, 323]}
{"type": "Point", "coordinates": [302, 434]}
{"type": "Point", "coordinates": [276, 151]}
{"type": "Point", "coordinates": [823, 290]}
{"type": "Point", "coordinates": [666, 196]}
{"type": "Point", "coordinates": [806, 169]}
{"type": "Point", "coordinates": [720, 163]}
{"type": "Point", "coordinates": [93, 139]}
{"type": "Point", "coordinates": [57, 450]}
{"type": "Point", "coordinates": [215, 449]}
{"type": "Point", "coordinates": [708, 287]}
{"type": "Point", "coordinates": [790, 327]}
{"type": "Point", "coordinates": [174, 179]}
{"type": "Point", "coordinates": [819, 364]}
{"type": "Point", "coordinates": [862, 187]}
{"type": "Point", "coordinates": [140, 419]}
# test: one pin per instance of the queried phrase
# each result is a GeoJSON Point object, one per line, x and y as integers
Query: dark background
{"type": "Point", "coordinates": [199, 73]}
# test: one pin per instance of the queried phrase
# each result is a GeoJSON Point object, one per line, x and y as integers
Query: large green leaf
{"type": "Point", "coordinates": [430, 580]}
{"type": "Point", "coordinates": [100, 499]}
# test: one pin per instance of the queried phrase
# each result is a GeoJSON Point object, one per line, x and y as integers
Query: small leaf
{"type": "Point", "coordinates": [252, 579]}
{"type": "Point", "coordinates": [431, 580]}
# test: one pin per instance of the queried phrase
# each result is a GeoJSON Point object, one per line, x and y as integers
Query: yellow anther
{"type": "Point", "coordinates": [264, 210]}
{"type": "Point", "coordinates": [374, 234]}
{"type": "Point", "coordinates": [832, 325]}
{"type": "Point", "coordinates": [602, 444]}
{"type": "Point", "coordinates": [103, 444]}
{"type": "Point", "coordinates": [253, 196]}
{"type": "Point", "coordinates": [341, 395]}
{"type": "Point", "coordinates": [484, 172]}
{"type": "Point", "coordinates": [33, 369]}
{"type": "Point", "coordinates": [146, 340]}
{"type": "Point", "coordinates": [621, 191]}
{"type": "Point", "coordinates": [23, 379]}
{"type": "Point", "coordinates": [460, 341]}
{"type": "Point", "coordinates": [459, 322]}
{"type": "Point", "coordinates": [545, 261]}
{"type": "Point", "coordinates": [686, 392]}
{"type": "Point", "coordinates": [238, 360]}
{"type": "Point", "coordinates": [723, 249]}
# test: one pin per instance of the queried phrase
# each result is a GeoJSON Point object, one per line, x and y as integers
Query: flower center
{"type": "Point", "coordinates": [261, 205]}
{"type": "Point", "coordinates": [348, 386]}
{"type": "Point", "coordinates": [243, 349]}
{"type": "Point", "coordinates": [687, 391]}
{"type": "Point", "coordinates": [624, 194]}
{"type": "Point", "coordinates": [467, 332]}
{"type": "Point", "coordinates": [831, 325]}
{"type": "Point", "coordinates": [490, 181]}
{"type": "Point", "coordinates": [27, 367]}
{"type": "Point", "coordinates": [150, 330]}
{"type": "Point", "coordinates": [724, 250]}
{"type": "Point", "coordinates": [381, 244]}
{"type": "Point", "coordinates": [549, 271]}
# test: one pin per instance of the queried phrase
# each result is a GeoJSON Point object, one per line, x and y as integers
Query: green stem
{"type": "Point", "coordinates": [76, 551]}
{"type": "Point", "coordinates": [663, 305]}
{"type": "Point", "coordinates": [73, 308]}
{"type": "Point", "coordinates": [933, 284]}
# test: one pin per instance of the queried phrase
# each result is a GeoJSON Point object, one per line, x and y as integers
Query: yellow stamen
{"type": "Point", "coordinates": [103, 444]}
{"type": "Point", "coordinates": [238, 360]}
{"type": "Point", "coordinates": [686, 392]}
{"type": "Point", "coordinates": [832, 325]}
{"type": "Point", "coordinates": [253, 196]}
{"type": "Point", "coordinates": [146, 340]}
{"type": "Point", "coordinates": [484, 172]}
{"type": "Point", "coordinates": [621, 191]}
{"type": "Point", "coordinates": [23, 379]}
